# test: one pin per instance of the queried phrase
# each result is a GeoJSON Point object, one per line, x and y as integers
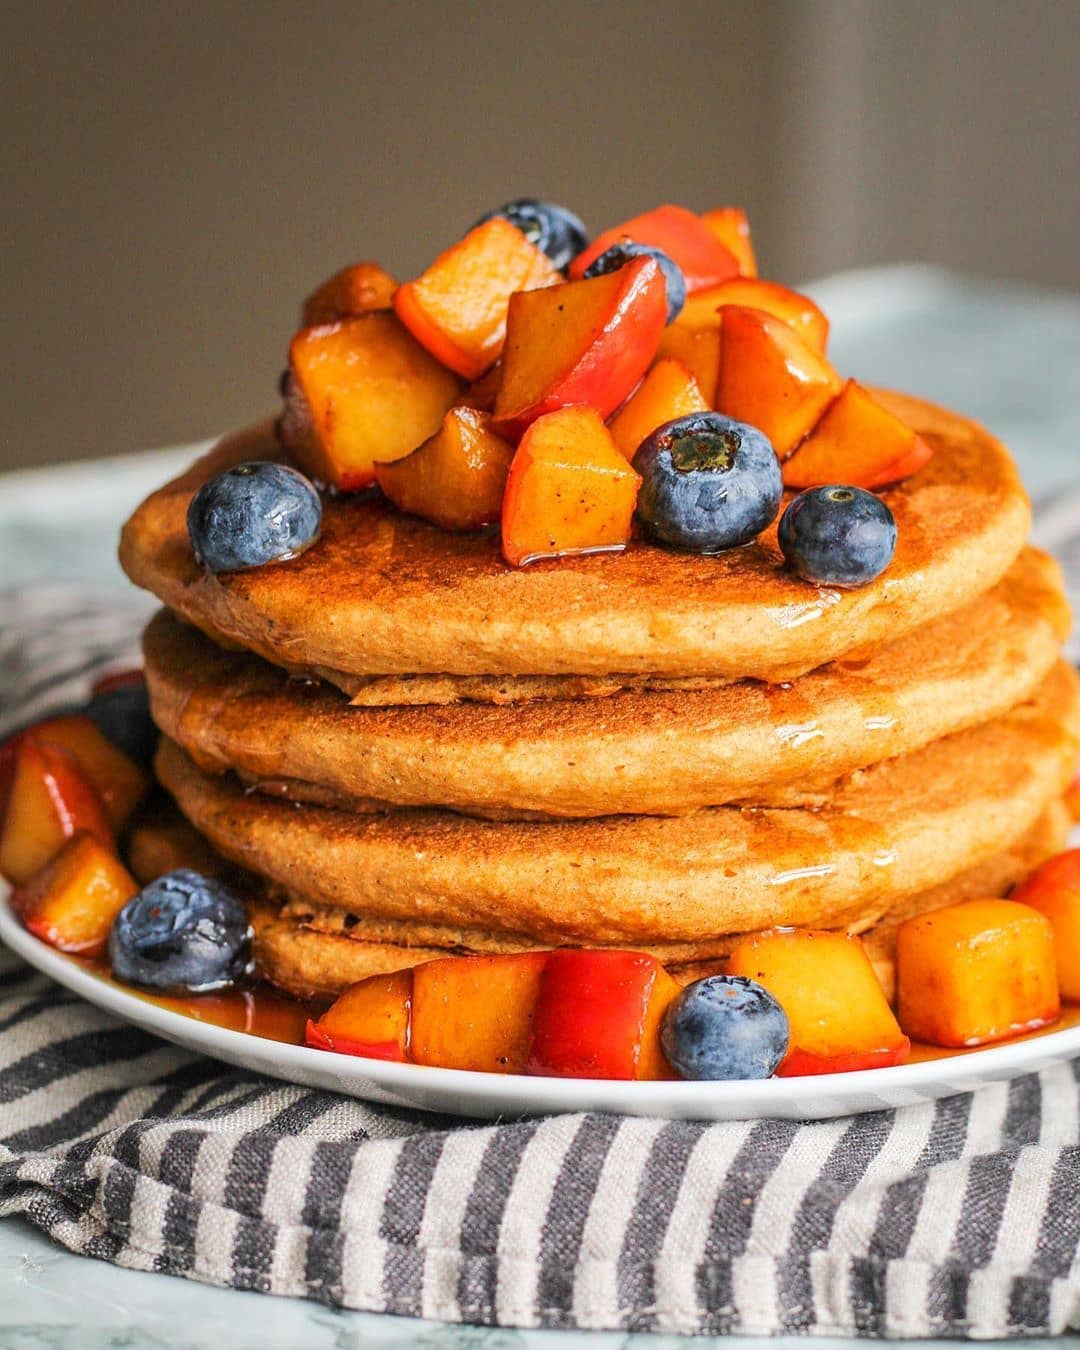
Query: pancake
{"type": "Point", "coordinates": [994, 877]}
{"type": "Point", "coordinates": [386, 594]}
{"type": "Point", "coordinates": [653, 753]}
{"type": "Point", "coordinates": [889, 831]}
{"type": "Point", "coordinates": [880, 941]}
{"type": "Point", "coordinates": [396, 691]}
{"type": "Point", "coordinates": [318, 954]}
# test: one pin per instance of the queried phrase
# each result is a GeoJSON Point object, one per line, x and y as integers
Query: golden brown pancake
{"type": "Point", "coordinates": [386, 594]}
{"type": "Point", "coordinates": [889, 831]}
{"type": "Point", "coordinates": [320, 958]}
{"type": "Point", "coordinates": [880, 941]}
{"type": "Point", "coordinates": [397, 691]}
{"type": "Point", "coordinates": [652, 753]}
{"type": "Point", "coordinates": [994, 877]}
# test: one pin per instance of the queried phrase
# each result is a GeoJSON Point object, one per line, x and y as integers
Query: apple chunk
{"type": "Point", "coordinates": [457, 478]}
{"type": "Point", "coordinates": [370, 1019]}
{"type": "Point", "coordinates": [585, 342]}
{"type": "Point", "coordinates": [476, 1012]}
{"type": "Point", "coordinates": [569, 490]}
{"type": "Point", "coordinates": [360, 390]}
{"type": "Point", "coordinates": [857, 442]}
{"type": "Point", "coordinates": [732, 227]}
{"type": "Point", "coordinates": [682, 235]}
{"type": "Point", "coordinates": [840, 1019]}
{"type": "Point", "coordinates": [72, 901]}
{"type": "Point", "coordinates": [598, 1015]}
{"type": "Point", "coordinates": [667, 391]}
{"type": "Point", "coordinates": [457, 308]}
{"type": "Point", "coordinates": [354, 290]}
{"type": "Point", "coordinates": [771, 378]}
{"type": "Point", "coordinates": [45, 798]}
{"type": "Point", "coordinates": [979, 971]}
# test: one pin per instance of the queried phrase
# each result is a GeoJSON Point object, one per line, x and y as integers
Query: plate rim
{"type": "Point", "coordinates": [922, 1079]}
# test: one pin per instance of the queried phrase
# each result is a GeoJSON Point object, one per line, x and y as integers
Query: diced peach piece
{"type": "Point", "coordinates": [979, 971]}
{"type": "Point", "coordinates": [840, 1019]}
{"type": "Point", "coordinates": [679, 233]}
{"type": "Point", "coordinates": [797, 311]}
{"type": "Point", "coordinates": [1072, 799]}
{"type": "Point", "coordinates": [699, 351]}
{"type": "Point", "coordinates": [121, 783]}
{"type": "Point", "coordinates": [1054, 890]}
{"type": "Point", "coordinates": [703, 309]}
{"type": "Point", "coordinates": [45, 798]}
{"type": "Point", "coordinates": [457, 308]}
{"type": "Point", "coordinates": [370, 1019]}
{"type": "Point", "coordinates": [457, 478]}
{"type": "Point", "coordinates": [476, 1012]}
{"type": "Point", "coordinates": [482, 393]}
{"type": "Point", "coordinates": [354, 290]}
{"type": "Point", "coordinates": [771, 378]}
{"type": "Point", "coordinates": [652, 1062]}
{"type": "Point", "coordinates": [72, 902]}
{"type": "Point", "coordinates": [732, 227]}
{"type": "Point", "coordinates": [598, 1016]}
{"type": "Point", "coordinates": [569, 490]}
{"type": "Point", "coordinates": [362, 389]}
{"type": "Point", "coordinates": [858, 442]}
{"type": "Point", "coordinates": [583, 342]}
{"type": "Point", "coordinates": [667, 391]}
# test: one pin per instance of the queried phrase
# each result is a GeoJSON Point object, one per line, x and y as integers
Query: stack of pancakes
{"type": "Point", "coordinates": [412, 749]}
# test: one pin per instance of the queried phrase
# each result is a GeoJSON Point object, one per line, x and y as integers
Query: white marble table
{"type": "Point", "coordinates": [1005, 355]}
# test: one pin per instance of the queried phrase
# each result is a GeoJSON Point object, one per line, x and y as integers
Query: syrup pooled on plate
{"type": "Point", "coordinates": [259, 1011]}
{"type": "Point", "coordinates": [1069, 1018]}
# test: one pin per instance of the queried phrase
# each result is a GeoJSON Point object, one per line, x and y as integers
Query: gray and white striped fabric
{"type": "Point", "coordinates": [959, 1218]}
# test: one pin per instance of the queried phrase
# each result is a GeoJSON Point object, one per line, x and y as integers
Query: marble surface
{"type": "Point", "coordinates": [52, 1301]}
{"type": "Point", "coordinates": [1003, 354]}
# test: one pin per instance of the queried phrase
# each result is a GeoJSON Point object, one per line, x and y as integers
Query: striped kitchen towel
{"type": "Point", "coordinates": [958, 1218]}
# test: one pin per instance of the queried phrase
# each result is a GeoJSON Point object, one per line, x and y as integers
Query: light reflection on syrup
{"type": "Point", "coordinates": [799, 734]}
{"type": "Point", "coordinates": [794, 616]}
{"type": "Point", "coordinates": [802, 874]}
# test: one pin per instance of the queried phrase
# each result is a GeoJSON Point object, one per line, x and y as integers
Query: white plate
{"type": "Point", "coordinates": [485, 1095]}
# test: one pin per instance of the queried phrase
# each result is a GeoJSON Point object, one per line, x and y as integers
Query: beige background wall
{"type": "Point", "coordinates": [176, 176]}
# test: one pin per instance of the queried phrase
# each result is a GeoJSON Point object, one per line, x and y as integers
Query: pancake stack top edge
{"type": "Point", "coordinates": [385, 594]}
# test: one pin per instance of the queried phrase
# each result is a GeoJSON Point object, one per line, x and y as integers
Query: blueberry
{"type": "Point", "coordinates": [838, 536]}
{"type": "Point", "coordinates": [253, 514]}
{"type": "Point", "coordinates": [182, 934]}
{"type": "Point", "coordinates": [618, 255]}
{"type": "Point", "coordinates": [708, 483]}
{"type": "Point", "coordinates": [725, 1027]}
{"type": "Point", "coordinates": [122, 715]}
{"type": "Point", "coordinates": [553, 229]}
